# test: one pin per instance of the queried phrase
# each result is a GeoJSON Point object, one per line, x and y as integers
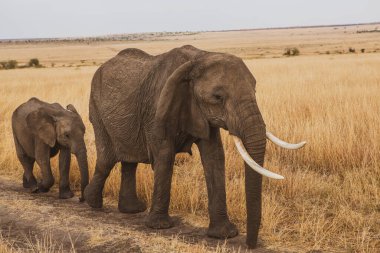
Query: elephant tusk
{"type": "Point", "coordinates": [248, 159]}
{"type": "Point", "coordinates": [284, 144]}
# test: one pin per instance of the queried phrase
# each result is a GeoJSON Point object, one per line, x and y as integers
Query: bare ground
{"type": "Point", "coordinates": [26, 217]}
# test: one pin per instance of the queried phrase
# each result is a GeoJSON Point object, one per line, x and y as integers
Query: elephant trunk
{"type": "Point", "coordinates": [81, 156]}
{"type": "Point", "coordinates": [253, 140]}
{"type": "Point", "coordinates": [255, 143]}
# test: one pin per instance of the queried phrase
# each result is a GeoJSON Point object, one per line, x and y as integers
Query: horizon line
{"type": "Point", "coordinates": [73, 38]}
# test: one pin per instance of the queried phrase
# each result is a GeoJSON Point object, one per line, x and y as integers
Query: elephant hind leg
{"type": "Point", "coordinates": [28, 179]}
{"type": "Point", "coordinates": [128, 200]}
{"type": "Point", "coordinates": [106, 160]}
{"type": "Point", "coordinates": [93, 194]}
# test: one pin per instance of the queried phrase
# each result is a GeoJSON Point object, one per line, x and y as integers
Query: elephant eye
{"type": "Point", "coordinates": [218, 97]}
{"type": "Point", "coordinates": [67, 135]}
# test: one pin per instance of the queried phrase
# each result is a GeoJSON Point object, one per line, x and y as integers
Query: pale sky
{"type": "Point", "coordinates": [64, 18]}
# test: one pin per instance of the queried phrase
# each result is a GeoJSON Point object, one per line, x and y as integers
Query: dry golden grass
{"type": "Point", "coordinates": [37, 244]}
{"type": "Point", "coordinates": [245, 44]}
{"type": "Point", "coordinates": [330, 199]}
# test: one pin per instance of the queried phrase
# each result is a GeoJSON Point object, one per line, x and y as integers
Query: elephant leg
{"type": "Point", "coordinates": [64, 172]}
{"type": "Point", "coordinates": [28, 179]}
{"type": "Point", "coordinates": [43, 160]}
{"type": "Point", "coordinates": [158, 217]}
{"type": "Point", "coordinates": [106, 160]}
{"type": "Point", "coordinates": [212, 156]}
{"type": "Point", "coordinates": [128, 201]}
{"type": "Point", "coordinates": [93, 193]}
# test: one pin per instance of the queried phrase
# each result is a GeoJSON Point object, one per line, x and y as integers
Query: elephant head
{"type": "Point", "coordinates": [217, 90]}
{"type": "Point", "coordinates": [55, 125]}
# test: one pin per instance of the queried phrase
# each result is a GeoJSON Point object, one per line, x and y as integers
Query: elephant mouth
{"type": "Point", "coordinates": [251, 162]}
{"type": "Point", "coordinates": [216, 122]}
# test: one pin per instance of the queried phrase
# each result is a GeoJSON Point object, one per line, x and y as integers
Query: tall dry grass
{"type": "Point", "coordinates": [44, 243]}
{"type": "Point", "coordinates": [330, 199]}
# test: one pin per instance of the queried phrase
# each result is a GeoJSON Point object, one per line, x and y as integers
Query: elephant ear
{"type": "Point", "coordinates": [71, 108]}
{"type": "Point", "coordinates": [42, 125]}
{"type": "Point", "coordinates": [177, 108]}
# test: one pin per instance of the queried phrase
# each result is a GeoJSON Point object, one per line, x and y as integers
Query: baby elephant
{"type": "Point", "coordinates": [40, 130]}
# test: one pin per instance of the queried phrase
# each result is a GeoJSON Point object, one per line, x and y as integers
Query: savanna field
{"type": "Point", "coordinates": [330, 198]}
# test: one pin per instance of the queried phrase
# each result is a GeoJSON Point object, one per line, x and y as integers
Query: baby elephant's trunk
{"type": "Point", "coordinates": [81, 156]}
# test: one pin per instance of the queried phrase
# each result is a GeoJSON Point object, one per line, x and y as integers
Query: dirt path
{"type": "Point", "coordinates": [28, 217]}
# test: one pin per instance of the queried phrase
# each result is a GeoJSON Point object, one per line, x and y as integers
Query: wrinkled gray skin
{"type": "Point", "coordinates": [145, 109]}
{"type": "Point", "coordinates": [40, 131]}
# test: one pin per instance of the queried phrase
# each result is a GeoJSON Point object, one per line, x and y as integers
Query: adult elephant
{"type": "Point", "coordinates": [145, 109]}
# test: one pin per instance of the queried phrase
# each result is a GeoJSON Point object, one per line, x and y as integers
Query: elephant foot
{"type": "Point", "coordinates": [92, 197]}
{"type": "Point", "coordinates": [65, 193]}
{"type": "Point", "coordinates": [131, 206]}
{"type": "Point", "coordinates": [31, 183]}
{"type": "Point", "coordinates": [42, 188]}
{"type": "Point", "coordinates": [81, 198]}
{"type": "Point", "coordinates": [222, 230]}
{"type": "Point", "coordinates": [159, 221]}
{"type": "Point", "coordinates": [34, 189]}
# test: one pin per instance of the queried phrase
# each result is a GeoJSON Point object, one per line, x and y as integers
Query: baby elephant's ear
{"type": "Point", "coordinates": [42, 125]}
{"type": "Point", "coordinates": [71, 108]}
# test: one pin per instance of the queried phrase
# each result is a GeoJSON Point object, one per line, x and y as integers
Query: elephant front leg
{"type": "Point", "coordinates": [128, 201]}
{"type": "Point", "coordinates": [42, 153]}
{"type": "Point", "coordinates": [64, 171]}
{"type": "Point", "coordinates": [158, 217]}
{"type": "Point", "coordinates": [212, 156]}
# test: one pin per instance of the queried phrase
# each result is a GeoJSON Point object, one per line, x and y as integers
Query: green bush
{"type": "Point", "coordinates": [293, 51]}
{"type": "Point", "coordinates": [11, 64]}
{"type": "Point", "coordinates": [34, 62]}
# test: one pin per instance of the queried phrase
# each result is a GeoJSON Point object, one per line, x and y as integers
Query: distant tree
{"type": "Point", "coordinates": [362, 50]}
{"type": "Point", "coordinates": [291, 51]}
{"type": "Point", "coordinates": [351, 50]}
{"type": "Point", "coordinates": [11, 64]}
{"type": "Point", "coordinates": [34, 62]}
